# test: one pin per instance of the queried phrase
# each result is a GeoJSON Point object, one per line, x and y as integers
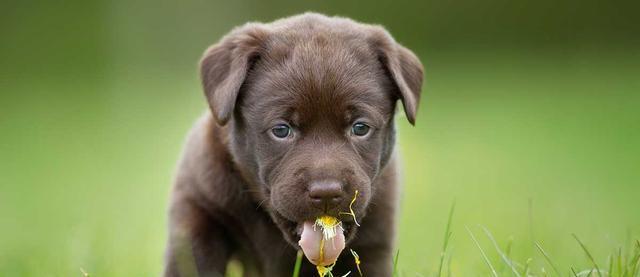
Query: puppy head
{"type": "Point", "coordinates": [309, 101]}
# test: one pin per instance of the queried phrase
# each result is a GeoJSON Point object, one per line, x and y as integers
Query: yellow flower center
{"type": "Point", "coordinates": [329, 225]}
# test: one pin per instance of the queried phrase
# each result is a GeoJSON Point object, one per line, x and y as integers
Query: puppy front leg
{"type": "Point", "coordinates": [197, 243]}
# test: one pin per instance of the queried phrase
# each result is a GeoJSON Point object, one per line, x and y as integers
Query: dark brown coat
{"type": "Point", "coordinates": [241, 192]}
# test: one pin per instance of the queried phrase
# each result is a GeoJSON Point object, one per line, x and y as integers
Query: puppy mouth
{"type": "Point", "coordinates": [292, 230]}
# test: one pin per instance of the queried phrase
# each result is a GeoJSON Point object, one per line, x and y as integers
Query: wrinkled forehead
{"type": "Point", "coordinates": [319, 79]}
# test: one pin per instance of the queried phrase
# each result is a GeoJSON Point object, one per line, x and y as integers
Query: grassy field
{"type": "Point", "coordinates": [533, 145]}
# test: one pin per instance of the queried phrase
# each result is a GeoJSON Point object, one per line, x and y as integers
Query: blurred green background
{"type": "Point", "coordinates": [530, 119]}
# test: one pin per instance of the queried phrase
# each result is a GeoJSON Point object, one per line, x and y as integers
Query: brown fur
{"type": "Point", "coordinates": [241, 193]}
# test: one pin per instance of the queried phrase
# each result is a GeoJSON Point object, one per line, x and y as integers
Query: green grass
{"type": "Point", "coordinates": [447, 237]}
{"type": "Point", "coordinates": [548, 259]}
{"type": "Point", "coordinates": [533, 145]}
{"type": "Point", "coordinates": [484, 255]}
{"type": "Point", "coordinates": [627, 265]}
{"type": "Point", "coordinates": [298, 264]}
{"type": "Point", "coordinates": [395, 263]}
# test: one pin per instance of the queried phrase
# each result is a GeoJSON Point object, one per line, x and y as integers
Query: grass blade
{"type": "Point", "coordinates": [636, 265]}
{"type": "Point", "coordinates": [296, 268]}
{"type": "Point", "coordinates": [574, 272]}
{"type": "Point", "coordinates": [484, 256]}
{"type": "Point", "coordinates": [619, 263]}
{"type": "Point", "coordinates": [586, 251]}
{"type": "Point", "coordinates": [635, 261]}
{"type": "Point", "coordinates": [610, 273]}
{"type": "Point", "coordinates": [525, 272]}
{"type": "Point", "coordinates": [502, 255]}
{"type": "Point", "coordinates": [508, 249]}
{"type": "Point", "coordinates": [395, 263]}
{"type": "Point", "coordinates": [548, 259]}
{"type": "Point", "coordinates": [447, 236]}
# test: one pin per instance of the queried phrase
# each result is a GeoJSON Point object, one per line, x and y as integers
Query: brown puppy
{"type": "Point", "coordinates": [301, 117]}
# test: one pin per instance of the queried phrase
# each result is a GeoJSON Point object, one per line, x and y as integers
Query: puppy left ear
{"type": "Point", "coordinates": [404, 68]}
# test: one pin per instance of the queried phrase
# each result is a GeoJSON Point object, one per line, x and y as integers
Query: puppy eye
{"type": "Point", "coordinates": [360, 129]}
{"type": "Point", "coordinates": [281, 131]}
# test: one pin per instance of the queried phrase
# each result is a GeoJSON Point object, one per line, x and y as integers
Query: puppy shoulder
{"type": "Point", "coordinates": [203, 172]}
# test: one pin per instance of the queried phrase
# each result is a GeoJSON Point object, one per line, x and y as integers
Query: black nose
{"type": "Point", "coordinates": [326, 194]}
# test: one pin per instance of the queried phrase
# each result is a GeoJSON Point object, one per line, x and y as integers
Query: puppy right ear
{"type": "Point", "coordinates": [224, 67]}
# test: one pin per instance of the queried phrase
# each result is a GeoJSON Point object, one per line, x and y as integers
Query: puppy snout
{"type": "Point", "coordinates": [326, 194]}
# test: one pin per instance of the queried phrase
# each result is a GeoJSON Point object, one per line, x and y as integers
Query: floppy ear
{"type": "Point", "coordinates": [403, 67]}
{"type": "Point", "coordinates": [224, 67]}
